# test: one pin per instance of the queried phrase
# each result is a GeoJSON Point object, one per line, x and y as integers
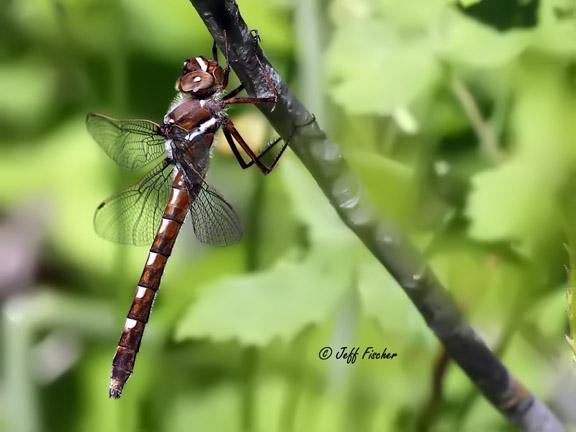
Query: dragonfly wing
{"type": "Point", "coordinates": [131, 144]}
{"type": "Point", "coordinates": [214, 220]}
{"type": "Point", "coordinates": [133, 215]}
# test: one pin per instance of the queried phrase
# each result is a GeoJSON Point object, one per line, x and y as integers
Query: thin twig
{"type": "Point", "coordinates": [484, 132]}
{"type": "Point", "coordinates": [426, 420]}
{"type": "Point", "coordinates": [326, 163]}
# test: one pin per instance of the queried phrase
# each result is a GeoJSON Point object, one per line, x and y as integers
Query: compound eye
{"type": "Point", "coordinates": [196, 82]}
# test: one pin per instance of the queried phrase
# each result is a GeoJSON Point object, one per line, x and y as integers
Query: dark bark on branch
{"type": "Point", "coordinates": [325, 162]}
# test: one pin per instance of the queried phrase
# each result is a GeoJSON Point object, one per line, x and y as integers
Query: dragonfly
{"type": "Point", "coordinates": [153, 210]}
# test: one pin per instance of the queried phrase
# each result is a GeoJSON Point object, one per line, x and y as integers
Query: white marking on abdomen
{"type": "Point", "coordinates": [141, 292]}
{"type": "Point", "coordinates": [152, 256]}
{"type": "Point", "coordinates": [164, 225]}
{"type": "Point", "coordinates": [175, 197]}
{"type": "Point", "coordinates": [130, 323]}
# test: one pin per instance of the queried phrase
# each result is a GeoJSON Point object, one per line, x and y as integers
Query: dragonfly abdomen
{"type": "Point", "coordinates": [129, 344]}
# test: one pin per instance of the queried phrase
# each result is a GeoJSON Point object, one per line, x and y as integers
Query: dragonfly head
{"type": "Point", "coordinates": [200, 77]}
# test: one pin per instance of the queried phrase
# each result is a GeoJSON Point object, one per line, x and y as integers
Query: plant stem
{"type": "Point", "coordinates": [484, 132]}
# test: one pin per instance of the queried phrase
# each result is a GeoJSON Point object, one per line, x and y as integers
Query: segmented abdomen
{"type": "Point", "coordinates": [129, 344]}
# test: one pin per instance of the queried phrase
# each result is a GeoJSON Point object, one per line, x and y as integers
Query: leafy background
{"type": "Point", "coordinates": [460, 119]}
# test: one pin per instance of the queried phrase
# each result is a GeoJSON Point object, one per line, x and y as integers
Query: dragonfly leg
{"type": "Point", "coordinates": [237, 155]}
{"type": "Point", "coordinates": [234, 92]}
{"type": "Point", "coordinates": [233, 136]}
{"type": "Point", "coordinates": [214, 52]}
{"type": "Point", "coordinates": [250, 100]}
{"type": "Point", "coordinates": [231, 100]}
{"type": "Point", "coordinates": [227, 68]}
{"type": "Point", "coordinates": [255, 35]}
{"type": "Point", "coordinates": [215, 58]}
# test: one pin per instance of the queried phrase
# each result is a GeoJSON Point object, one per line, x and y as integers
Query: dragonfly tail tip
{"type": "Point", "coordinates": [115, 390]}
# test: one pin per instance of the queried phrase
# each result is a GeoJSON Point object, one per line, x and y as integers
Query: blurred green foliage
{"type": "Point", "coordinates": [458, 116]}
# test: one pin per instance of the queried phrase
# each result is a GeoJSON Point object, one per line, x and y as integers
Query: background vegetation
{"type": "Point", "coordinates": [460, 118]}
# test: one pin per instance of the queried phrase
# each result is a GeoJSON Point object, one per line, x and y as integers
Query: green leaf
{"type": "Point", "coordinates": [518, 201]}
{"type": "Point", "coordinates": [411, 14]}
{"type": "Point", "coordinates": [515, 202]}
{"type": "Point", "coordinates": [464, 40]}
{"type": "Point", "coordinates": [556, 28]}
{"type": "Point", "coordinates": [278, 303]}
{"type": "Point", "coordinates": [373, 69]}
{"type": "Point", "coordinates": [467, 3]}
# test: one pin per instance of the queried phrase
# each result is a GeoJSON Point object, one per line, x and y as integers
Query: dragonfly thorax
{"type": "Point", "coordinates": [190, 113]}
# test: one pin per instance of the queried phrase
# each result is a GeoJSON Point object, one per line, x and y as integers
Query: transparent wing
{"type": "Point", "coordinates": [214, 220]}
{"type": "Point", "coordinates": [131, 144]}
{"type": "Point", "coordinates": [133, 215]}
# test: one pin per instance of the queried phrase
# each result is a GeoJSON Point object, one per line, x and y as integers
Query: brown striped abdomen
{"type": "Point", "coordinates": [129, 343]}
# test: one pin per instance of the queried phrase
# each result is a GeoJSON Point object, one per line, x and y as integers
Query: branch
{"type": "Point", "coordinates": [326, 163]}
